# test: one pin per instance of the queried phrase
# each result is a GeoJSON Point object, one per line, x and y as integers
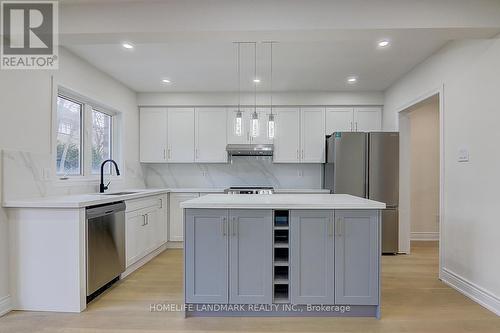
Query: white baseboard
{"type": "Point", "coordinates": [175, 245]}
{"type": "Point", "coordinates": [471, 290]}
{"type": "Point", "coordinates": [425, 236]}
{"type": "Point", "coordinates": [5, 305]}
{"type": "Point", "coordinates": [141, 262]}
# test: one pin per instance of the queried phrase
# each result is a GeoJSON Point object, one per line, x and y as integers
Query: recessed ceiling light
{"type": "Point", "coordinates": [256, 80]}
{"type": "Point", "coordinates": [352, 79]}
{"type": "Point", "coordinates": [127, 45]}
{"type": "Point", "coordinates": [165, 81]}
{"type": "Point", "coordinates": [384, 43]}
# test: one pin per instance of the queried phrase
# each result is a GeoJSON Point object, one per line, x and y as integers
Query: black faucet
{"type": "Point", "coordinates": [103, 187]}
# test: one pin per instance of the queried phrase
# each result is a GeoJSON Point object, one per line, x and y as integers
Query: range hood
{"type": "Point", "coordinates": [250, 149]}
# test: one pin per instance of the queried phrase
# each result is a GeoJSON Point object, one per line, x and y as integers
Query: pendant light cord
{"type": "Point", "coordinates": [272, 78]}
{"type": "Point", "coordinates": [255, 76]}
{"type": "Point", "coordinates": [239, 77]}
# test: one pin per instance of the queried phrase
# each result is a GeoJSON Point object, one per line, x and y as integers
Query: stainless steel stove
{"type": "Point", "coordinates": [249, 190]}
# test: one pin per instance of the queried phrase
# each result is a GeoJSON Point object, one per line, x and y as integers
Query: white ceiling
{"type": "Point", "coordinates": [193, 46]}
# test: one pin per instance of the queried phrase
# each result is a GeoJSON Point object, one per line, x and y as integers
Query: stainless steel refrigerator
{"type": "Point", "coordinates": [367, 165]}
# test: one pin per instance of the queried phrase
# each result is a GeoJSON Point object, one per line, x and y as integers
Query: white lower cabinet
{"type": "Point", "coordinates": [176, 227]}
{"type": "Point", "coordinates": [145, 227]}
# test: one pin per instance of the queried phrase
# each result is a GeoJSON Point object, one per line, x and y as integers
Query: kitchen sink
{"type": "Point", "coordinates": [120, 193]}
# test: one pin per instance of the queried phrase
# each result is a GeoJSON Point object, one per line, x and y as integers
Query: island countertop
{"type": "Point", "coordinates": [282, 201]}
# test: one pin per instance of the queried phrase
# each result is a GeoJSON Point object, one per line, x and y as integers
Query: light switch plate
{"type": "Point", "coordinates": [463, 155]}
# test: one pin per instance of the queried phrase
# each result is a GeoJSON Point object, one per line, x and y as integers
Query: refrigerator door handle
{"type": "Point", "coordinates": [367, 166]}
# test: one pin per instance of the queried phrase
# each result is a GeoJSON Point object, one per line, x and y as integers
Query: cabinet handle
{"type": "Point", "coordinates": [339, 227]}
{"type": "Point", "coordinates": [147, 219]}
{"type": "Point", "coordinates": [235, 226]}
{"type": "Point", "coordinates": [302, 153]}
{"type": "Point", "coordinates": [248, 136]}
{"type": "Point", "coordinates": [143, 220]}
{"type": "Point", "coordinates": [196, 153]}
{"type": "Point", "coordinates": [330, 228]}
{"type": "Point", "coordinates": [223, 226]}
{"type": "Point", "coordinates": [298, 155]}
{"type": "Point", "coordinates": [351, 126]}
{"type": "Point", "coordinates": [169, 153]}
{"type": "Point", "coordinates": [356, 123]}
{"type": "Point", "coordinates": [164, 154]}
{"type": "Point", "coordinates": [161, 203]}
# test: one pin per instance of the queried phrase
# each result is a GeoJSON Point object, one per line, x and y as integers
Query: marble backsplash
{"type": "Point", "coordinates": [27, 175]}
{"type": "Point", "coordinates": [240, 171]}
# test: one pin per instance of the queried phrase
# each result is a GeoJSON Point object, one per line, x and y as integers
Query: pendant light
{"type": "Point", "coordinates": [271, 130]}
{"type": "Point", "coordinates": [255, 116]}
{"type": "Point", "coordinates": [238, 122]}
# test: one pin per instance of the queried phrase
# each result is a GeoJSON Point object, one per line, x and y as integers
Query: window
{"type": "Point", "coordinates": [85, 136]}
{"type": "Point", "coordinates": [101, 141]}
{"type": "Point", "coordinates": [69, 137]}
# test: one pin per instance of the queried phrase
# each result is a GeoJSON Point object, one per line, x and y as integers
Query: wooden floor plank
{"type": "Point", "coordinates": [413, 300]}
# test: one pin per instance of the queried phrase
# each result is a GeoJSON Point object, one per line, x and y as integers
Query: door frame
{"type": "Point", "coordinates": [404, 181]}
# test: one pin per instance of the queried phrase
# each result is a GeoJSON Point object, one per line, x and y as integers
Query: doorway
{"type": "Point", "coordinates": [420, 126]}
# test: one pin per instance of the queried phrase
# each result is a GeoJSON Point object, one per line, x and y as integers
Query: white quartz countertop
{"type": "Point", "coordinates": [91, 199]}
{"type": "Point", "coordinates": [282, 201]}
{"type": "Point", "coordinates": [79, 200]}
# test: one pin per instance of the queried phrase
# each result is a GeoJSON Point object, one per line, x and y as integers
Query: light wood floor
{"type": "Point", "coordinates": [413, 300]}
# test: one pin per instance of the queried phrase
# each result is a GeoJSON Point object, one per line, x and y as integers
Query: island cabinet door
{"type": "Point", "coordinates": [250, 256]}
{"type": "Point", "coordinates": [357, 256]}
{"type": "Point", "coordinates": [206, 255]}
{"type": "Point", "coordinates": [311, 257]}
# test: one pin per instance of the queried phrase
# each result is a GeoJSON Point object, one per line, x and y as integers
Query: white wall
{"type": "Point", "coordinates": [469, 72]}
{"type": "Point", "coordinates": [26, 116]}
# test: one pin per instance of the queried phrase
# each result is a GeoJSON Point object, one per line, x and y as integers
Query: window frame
{"type": "Point", "coordinates": [82, 116]}
{"type": "Point", "coordinates": [88, 105]}
{"type": "Point", "coordinates": [112, 136]}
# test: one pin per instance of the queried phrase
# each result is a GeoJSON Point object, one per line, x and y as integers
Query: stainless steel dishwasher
{"type": "Point", "coordinates": [105, 246]}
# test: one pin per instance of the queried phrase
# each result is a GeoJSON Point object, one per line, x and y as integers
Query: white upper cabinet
{"type": "Point", "coordinates": [339, 119]}
{"type": "Point", "coordinates": [153, 135]}
{"type": "Point", "coordinates": [246, 126]}
{"type": "Point", "coordinates": [312, 124]}
{"type": "Point", "coordinates": [210, 135]}
{"type": "Point", "coordinates": [368, 119]}
{"type": "Point", "coordinates": [262, 138]}
{"type": "Point", "coordinates": [180, 131]}
{"type": "Point", "coordinates": [357, 119]}
{"type": "Point", "coordinates": [189, 135]}
{"type": "Point", "coordinates": [287, 137]}
{"type": "Point", "coordinates": [232, 136]}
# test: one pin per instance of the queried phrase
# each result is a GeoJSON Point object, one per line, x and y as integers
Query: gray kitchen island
{"type": "Point", "coordinates": [282, 255]}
